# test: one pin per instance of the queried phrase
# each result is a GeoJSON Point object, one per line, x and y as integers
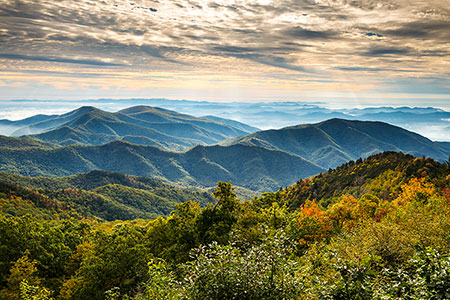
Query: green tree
{"type": "Point", "coordinates": [215, 222]}
{"type": "Point", "coordinates": [23, 270]}
{"type": "Point", "coordinates": [33, 292]}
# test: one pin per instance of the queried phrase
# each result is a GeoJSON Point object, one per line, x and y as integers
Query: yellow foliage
{"type": "Point", "coordinates": [23, 269]}
{"type": "Point", "coordinates": [415, 190]}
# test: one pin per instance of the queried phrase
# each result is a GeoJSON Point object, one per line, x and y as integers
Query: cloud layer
{"type": "Point", "coordinates": [224, 49]}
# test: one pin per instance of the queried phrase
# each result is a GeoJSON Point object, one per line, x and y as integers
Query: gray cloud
{"type": "Point", "coordinates": [382, 51]}
{"type": "Point", "coordinates": [262, 55]}
{"type": "Point", "coordinates": [56, 73]}
{"type": "Point", "coordinates": [271, 60]}
{"type": "Point", "coordinates": [365, 69]}
{"type": "Point", "coordinates": [435, 29]}
{"type": "Point", "coordinates": [306, 34]}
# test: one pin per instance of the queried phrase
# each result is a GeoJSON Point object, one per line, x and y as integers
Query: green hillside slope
{"type": "Point", "coordinates": [97, 194]}
{"type": "Point", "coordinates": [254, 168]}
{"type": "Point", "coordinates": [235, 124]}
{"type": "Point", "coordinates": [380, 175]}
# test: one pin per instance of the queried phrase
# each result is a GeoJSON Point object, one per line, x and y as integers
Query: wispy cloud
{"type": "Point", "coordinates": [90, 62]}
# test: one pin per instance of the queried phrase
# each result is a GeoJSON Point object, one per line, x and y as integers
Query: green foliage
{"type": "Point", "coordinates": [426, 275]}
{"type": "Point", "coordinates": [430, 276]}
{"type": "Point", "coordinates": [355, 282]}
{"type": "Point", "coordinates": [254, 168]}
{"type": "Point", "coordinates": [33, 292]}
{"type": "Point", "coordinates": [162, 284]}
{"type": "Point", "coordinates": [215, 222]}
{"type": "Point", "coordinates": [380, 175]}
{"type": "Point", "coordinates": [112, 196]}
{"type": "Point", "coordinates": [112, 259]}
{"type": "Point", "coordinates": [23, 270]}
{"type": "Point", "coordinates": [384, 237]}
{"type": "Point", "coordinates": [225, 272]}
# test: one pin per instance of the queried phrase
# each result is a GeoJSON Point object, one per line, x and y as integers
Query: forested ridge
{"type": "Point", "coordinates": [376, 228]}
{"type": "Point", "coordinates": [98, 195]}
{"type": "Point", "coordinates": [90, 139]}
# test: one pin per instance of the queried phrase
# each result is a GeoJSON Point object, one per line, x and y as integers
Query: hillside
{"type": "Point", "coordinates": [14, 143]}
{"type": "Point", "coordinates": [261, 161]}
{"type": "Point", "coordinates": [336, 141]}
{"type": "Point", "coordinates": [97, 194]}
{"type": "Point", "coordinates": [380, 175]}
{"type": "Point", "coordinates": [140, 125]}
{"type": "Point", "coordinates": [251, 167]}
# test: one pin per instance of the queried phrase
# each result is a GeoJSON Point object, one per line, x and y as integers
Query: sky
{"type": "Point", "coordinates": [341, 52]}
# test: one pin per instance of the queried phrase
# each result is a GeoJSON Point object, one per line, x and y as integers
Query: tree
{"type": "Point", "coordinates": [215, 222]}
{"type": "Point", "coordinates": [23, 270]}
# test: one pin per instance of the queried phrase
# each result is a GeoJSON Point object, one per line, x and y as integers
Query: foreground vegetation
{"type": "Point", "coordinates": [377, 228]}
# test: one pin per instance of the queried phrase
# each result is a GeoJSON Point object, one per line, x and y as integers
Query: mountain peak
{"type": "Point", "coordinates": [335, 141]}
{"type": "Point", "coordinates": [142, 108]}
{"type": "Point", "coordinates": [85, 109]}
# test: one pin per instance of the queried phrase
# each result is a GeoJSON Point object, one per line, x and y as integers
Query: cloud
{"type": "Point", "coordinates": [383, 51]}
{"type": "Point", "coordinates": [59, 60]}
{"type": "Point", "coordinates": [306, 34]}
{"type": "Point", "coordinates": [158, 52]}
{"type": "Point", "coordinates": [273, 61]}
{"type": "Point", "coordinates": [58, 73]}
{"type": "Point", "coordinates": [260, 55]}
{"type": "Point", "coordinates": [256, 42]}
{"type": "Point", "coordinates": [361, 4]}
{"type": "Point", "coordinates": [366, 69]}
{"type": "Point", "coordinates": [422, 29]}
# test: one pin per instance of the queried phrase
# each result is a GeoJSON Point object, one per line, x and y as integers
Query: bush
{"type": "Point", "coordinates": [225, 272]}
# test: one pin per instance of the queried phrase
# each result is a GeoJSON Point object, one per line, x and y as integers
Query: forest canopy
{"type": "Point", "coordinates": [376, 228]}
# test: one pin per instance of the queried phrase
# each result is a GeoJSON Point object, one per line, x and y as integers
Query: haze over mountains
{"type": "Point", "coordinates": [431, 122]}
{"type": "Point", "coordinates": [141, 141]}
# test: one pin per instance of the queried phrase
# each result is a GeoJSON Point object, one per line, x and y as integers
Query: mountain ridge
{"type": "Point", "coordinates": [261, 161]}
{"type": "Point", "coordinates": [347, 139]}
{"type": "Point", "coordinates": [141, 124]}
{"type": "Point", "coordinates": [96, 194]}
{"type": "Point", "coordinates": [254, 168]}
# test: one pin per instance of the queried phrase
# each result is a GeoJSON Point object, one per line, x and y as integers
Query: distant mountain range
{"type": "Point", "coordinates": [431, 122]}
{"type": "Point", "coordinates": [336, 141]}
{"type": "Point", "coordinates": [140, 141]}
{"type": "Point", "coordinates": [142, 125]}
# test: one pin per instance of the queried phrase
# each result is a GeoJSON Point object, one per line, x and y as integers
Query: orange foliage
{"type": "Point", "coordinates": [310, 209]}
{"type": "Point", "coordinates": [314, 225]}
